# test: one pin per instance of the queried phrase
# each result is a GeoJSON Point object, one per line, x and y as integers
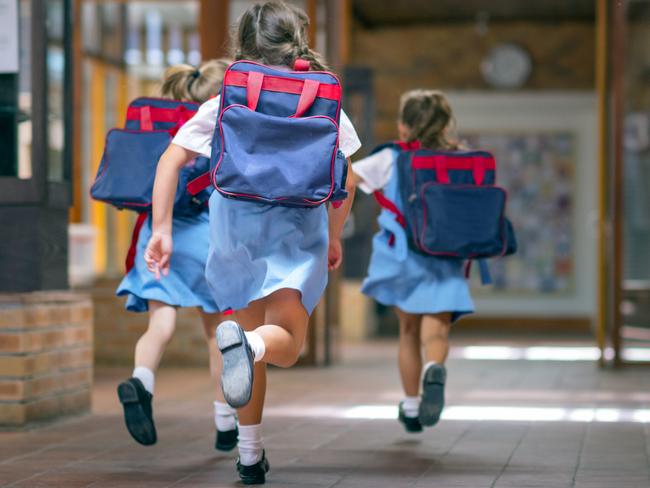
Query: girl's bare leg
{"type": "Point", "coordinates": [286, 328]}
{"type": "Point", "coordinates": [279, 341]}
{"type": "Point", "coordinates": [151, 346]}
{"type": "Point", "coordinates": [250, 416]}
{"type": "Point", "coordinates": [410, 352]}
{"type": "Point", "coordinates": [435, 336]}
{"type": "Point", "coordinates": [435, 339]}
{"type": "Point", "coordinates": [135, 394]}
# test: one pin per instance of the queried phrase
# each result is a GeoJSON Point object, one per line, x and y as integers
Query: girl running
{"type": "Point", "coordinates": [428, 293]}
{"type": "Point", "coordinates": [270, 260]}
{"type": "Point", "coordinates": [182, 285]}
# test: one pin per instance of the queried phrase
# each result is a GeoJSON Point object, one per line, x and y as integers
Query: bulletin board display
{"type": "Point", "coordinates": [538, 170]}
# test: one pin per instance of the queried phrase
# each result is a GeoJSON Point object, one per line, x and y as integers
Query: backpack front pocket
{"type": "Point", "coordinates": [286, 161]}
{"type": "Point", "coordinates": [464, 221]}
{"type": "Point", "coordinates": [126, 173]}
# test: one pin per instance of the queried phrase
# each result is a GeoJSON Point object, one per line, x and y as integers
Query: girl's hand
{"type": "Point", "coordinates": [158, 254]}
{"type": "Point", "coordinates": [334, 254]}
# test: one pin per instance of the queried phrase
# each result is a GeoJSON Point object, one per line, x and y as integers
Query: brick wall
{"type": "Point", "coordinates": [448, 57]}
{"type": "Point", "coordinates": [117, 331]}
{"type": "Point", "coordinates": [46, 356]}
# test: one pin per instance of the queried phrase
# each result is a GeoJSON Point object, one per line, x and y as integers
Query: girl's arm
{"type": "Point", "coordinates": [337, 218]}
{"type": "Point", "coordinates": [159, 248]}
{"type": "Point", "coordinates": [373, 172]}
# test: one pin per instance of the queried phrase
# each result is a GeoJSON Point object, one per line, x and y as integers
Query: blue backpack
{"type": "Point", "coordinates": [276, 137]}
{"type": "Point", "coordinates": [451, 205]}
{"type": "Point", "coordinates": [128, 167]}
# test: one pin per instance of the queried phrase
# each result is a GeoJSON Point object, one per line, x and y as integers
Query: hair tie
{"type": "Point", "coordinates": [196, 73]}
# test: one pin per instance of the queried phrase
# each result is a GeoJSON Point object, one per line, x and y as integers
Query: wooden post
{"type": "Point", "coordinates": [98, 210]}
{"type": "Point", "coordinates": [77, 192]}
{"type": "Point", "coordinates": [619, 22]}
{"type": "Point", "coordinates": [214, 23]}
{"type": "Point", "coordinates": [311, 6]}
{"type": "Point", "coordinates": [603, 214]}
{"type": "Point", "coordinates": [339, 16]}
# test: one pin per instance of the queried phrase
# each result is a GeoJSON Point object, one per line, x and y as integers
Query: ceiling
{"type": "Point", "coordinates": [374, 13]}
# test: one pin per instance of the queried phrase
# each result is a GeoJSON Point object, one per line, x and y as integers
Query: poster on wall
{"type": "Point", "coordinates": [8, 36]}
{"type": "Point", "coordinates": [538, 170]}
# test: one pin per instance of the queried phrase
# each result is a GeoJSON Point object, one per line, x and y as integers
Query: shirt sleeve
{"type": "Point", "coordinates": [349, 142]}
{"type": "Point", "coordinates": [375, 170]}
{"type": "Point", "coordinates": [196, 134]}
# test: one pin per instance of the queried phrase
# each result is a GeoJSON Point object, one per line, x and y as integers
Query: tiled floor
{"type": "Point", "coordinates": [333, 428]}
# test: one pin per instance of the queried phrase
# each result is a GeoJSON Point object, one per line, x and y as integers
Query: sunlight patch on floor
{"type": "Point", "coordinates": [544, 353]}
{"type": "Point", "coordinates": [473, 413]}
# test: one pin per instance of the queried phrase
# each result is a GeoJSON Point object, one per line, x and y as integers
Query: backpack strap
{"type": "Point", "coordinates": [197, 185]}
{"type": "Point", "coordinates": [390, 206]}
{"type": "Point", "coordinates": [307, 97]}
{"type": "Point", "coordinates": [130, 256]}
{"type": "Point", "coordinates": [147, 115]}
{"type": "Point", "coordinates": [381, 199]}
{"type": "Point", "coordinates": [254, 89]}
{"type": "Point", "coordinates": [145, 118]}
{"type": "Point", "coordinates": [484, 270]}
{"type": "Point", "coordinates": [183, 116]}
{"type": "Point", "coordinates": [408, 146]}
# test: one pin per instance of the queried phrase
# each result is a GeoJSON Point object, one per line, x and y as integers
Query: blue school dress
{"type": "Point", "coordinates": [258, 249]}
{"type": "Point", "coordinates": [185, 285]}
{"type": "Point", "coordinates": [410, 281]}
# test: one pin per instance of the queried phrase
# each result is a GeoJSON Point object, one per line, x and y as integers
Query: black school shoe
{"type": "Point", "coordinates": [237, 372]}
{"type": "Point", "coordinates": [411, 424]}
{"type": "Point", "coordinates": [255, 474]}
{"type": "Point", "coordinates": [226, 439]}
{"type": "Point", "coordinates": [138, 416]}
{"type": "Point", "coordinates": [433, 394]}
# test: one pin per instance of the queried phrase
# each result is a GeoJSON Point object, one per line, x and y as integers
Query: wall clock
{"type": "Point", "coordinates": [507, 65]}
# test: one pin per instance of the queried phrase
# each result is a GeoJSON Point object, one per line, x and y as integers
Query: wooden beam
{"type": "Point", "coordinates": [339, 17]}
{"type": "Point", "coordinates": [214, 23]}
{"type": "Point", "coordinates": [603, 217]}
{"type": "Point", "coordinates": [98, 133]}
{"type": "Point", "coordinates": [77, 194]}
{"type": "Point", "coordinates": [311, 7]}
{"type": "Point", "coordinates": [617, 97]}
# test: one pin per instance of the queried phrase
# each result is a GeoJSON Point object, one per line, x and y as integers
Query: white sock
{"type": "Point", "coordinates": [225, 417]}
{"type": "Point", "coordinates": [250, 444]}
{"type": "Point", "coordinates": [146, 376]}
{"type": "Point", "coordinates": [410, 406]}
{"type": "Point", "coordinates": [257, 345]}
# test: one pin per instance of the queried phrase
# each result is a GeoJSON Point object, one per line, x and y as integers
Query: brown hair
{"type": "Point", "coordinates": [428, 118]}
{"type": "Point", "coordinates": [190, 84]}
{"type": "Point", "coordinates": [275, 33]}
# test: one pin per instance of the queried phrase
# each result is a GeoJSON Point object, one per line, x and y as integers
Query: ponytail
{"type": "Point", "coordinates": [275, 33]}
{"type": "Point", "coordinates": [190, 84]}
{"type": "Point", "coordinates": [428, 118]}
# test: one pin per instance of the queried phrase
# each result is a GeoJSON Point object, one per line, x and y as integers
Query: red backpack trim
{"type": "Point", "coordinates": [281, 84]}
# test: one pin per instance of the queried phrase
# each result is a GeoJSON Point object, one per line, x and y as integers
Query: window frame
{"type": "Point", "coordinates": [37, 189]}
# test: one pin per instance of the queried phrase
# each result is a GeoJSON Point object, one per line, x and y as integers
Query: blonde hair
{"type": "Point", "coordinates": [275, 33]}
{"type": "Point", "coordinates": [428, 118]}
{"type": "Point", "coordinates": [189, 84]}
